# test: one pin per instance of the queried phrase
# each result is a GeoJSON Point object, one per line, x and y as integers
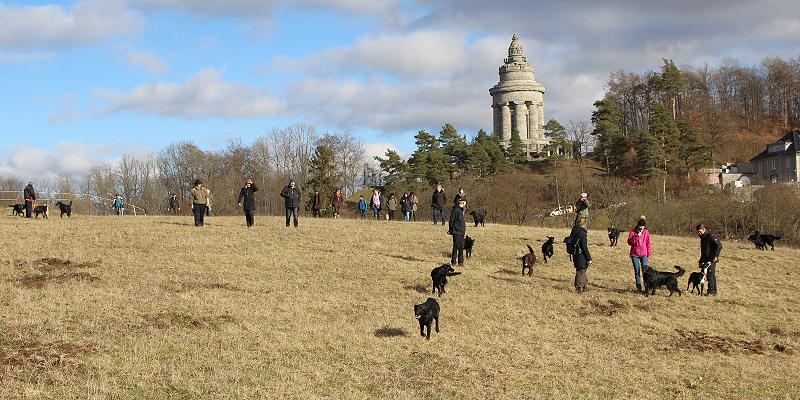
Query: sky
{"type": "Point", "coordinates": [84, 82]}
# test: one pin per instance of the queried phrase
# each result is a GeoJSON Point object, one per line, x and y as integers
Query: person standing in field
{"type": "Point", "coordinates": [710, 248]}
{"type": "Point", "coordinates": [457, 227]}
{"type": "Point", "coordinates": [641, 250]}
{"type": "Point", "coordinates": [174, 204]}
{"type": "Point", "coordinates": [582, 209]}
{"type": "Point", "coordinates": [29, 194]}
{"type": "Point", "coordinates": [291, 196]}
{"type": "Point", "coordinates": [337, 202]}
{"type": "Point", "coordinates": [200, 199]}
{"type": "Point", "coordinates": [392, 205]}
{"type": "Point", "coordinates": [362, 208]}
{"type": "Point", "coordinates": [438, 200]}
{"type": "Point", "coordinates": [414, 201]}
{"type": "Point", "coordinates": [316, 204]}
{"type": "Point", "coordinates": [461, 193]}
{"type": "Point", "coordinates": [581, 259]}
{"type": "Point", "coordinates": [118, 204]}
{"type": "Point", "coordinates": [405, 207]}
{"type": "Point", "coordinates": [376, 203]}
{"type": "Point", "coordinates": [247, 201]}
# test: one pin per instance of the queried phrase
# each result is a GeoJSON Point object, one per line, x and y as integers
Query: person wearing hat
{"type": "Point", "coordinates": [641, 250]}
{"type": "Point", "coordinates": [582, 209]}
{"type": "Point", "coordinates": [247, 201]}
{"type": "Point", "coordinates": [457, 227]}
{"type": "Point", "coordinates": [30, 198]}
{"type": "Point", "coordinates": [200, 199]}
{"type": "Point", "coordinates": [291, 196]}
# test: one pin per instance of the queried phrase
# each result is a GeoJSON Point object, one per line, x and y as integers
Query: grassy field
{"type": "Point", "coordinates": [154, 308]}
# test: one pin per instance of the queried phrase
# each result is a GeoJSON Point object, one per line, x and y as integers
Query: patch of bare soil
{"type": "Point", "coordinates": [608, 309]}
{"type": "Point", "coordinates": [54, 271]}
{"type": "Point", "coordinates": [33, 355]}
{"type": "Point", "coordinates": [180, 287]}
{"type": "Point", "coordinates": [172, 319]}
{"type": "Point", "coordinates": [699, 341]}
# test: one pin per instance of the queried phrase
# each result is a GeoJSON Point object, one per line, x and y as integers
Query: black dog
{"type": "Point", "coordinates": [40, 210]}
{"type": "Point", "coordinates": [653, 279]}
{"type": "Point", "coordinates": [698, 280]}
{"type": "Point", "coordinates": [468, 243]}
{"type": "Point", "coordinates": [528, 260]}
{"type": "Point", "coordinates": [613, 236]}
{"type": "Point", "coordinates": [478, 218]}
{"type": "Point", "coordinates": [439, 277]}
{"type": "Point", "coordinates": [426, 313]}
{"type": "Point", "coordinates": [763, 240]}
{"type": "Point", "coordinates": [18, 209]}
{"type": "Point", "coordinates": [547, 248]}
{"type": "Point", "coordinates": [65, 209]}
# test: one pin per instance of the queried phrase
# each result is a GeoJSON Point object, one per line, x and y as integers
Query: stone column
{"type": "Point", "coordinates": [497, 122]}
{"type": "Point", "coordinates": [506, 122]}
{"type": "Point", "coordinates": [521, 114]}
{"type": "Point", "coordinates": [540, 119]}
{"type": "Point", "coordinates": [532, 121]}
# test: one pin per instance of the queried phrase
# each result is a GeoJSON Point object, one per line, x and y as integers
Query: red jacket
{"type": "Point", "coordinates": [640, 243]}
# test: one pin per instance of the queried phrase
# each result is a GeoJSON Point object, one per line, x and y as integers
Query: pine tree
{"type": "Point", "coordinates": [455, 147]}
{"type": "Point", "coordinates": [396, 170]}
{"type": "Point", "coordinates": [557, 134]}
{"type": "Point", "coordinates": [480, 160]}
{"type": "Point", "coordinates": [429, 161]}
{"type": "Point", "coordinates": [515, 152]}
{"type": "Point", "coordinates": [612, 145]}
{"type": "Point", "coordinates": [323, 172]}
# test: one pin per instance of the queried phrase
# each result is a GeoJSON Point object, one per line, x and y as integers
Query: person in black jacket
{"type": "Point", "coordinates": [174, 204]}
{"type": "Point", "coordinates": [291, 195]}
{"type": "Point", "coordinates": [316, 204]}
{"type": "Point", "coordinates": [457, 227]}
{"type": "Point", "coordinates": [438, 200]}
{"type": "Point", "coordinates": [30, 197]}
{"type": "Point", "coordinates": [582, 259]}
{"type": "Point", "coordinates": [249, 205]}
{"type": "Point", "coordinates": [709, 254]}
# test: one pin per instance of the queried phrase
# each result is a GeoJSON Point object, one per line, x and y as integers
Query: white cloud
{"type": "Point", "coordinates": [203, 95]}
{"type": "Point", "coordinates": [150, 62]}
{"type": "Point", "coordinates": [15, 57]}
{"type": "Point", "coordinates": [372, 150]}
{"type": "Point", "coordinates": [64, 159]}
{"type": "Point", "coordinates": [260, 8]}
{"type": "Point", "coordinates": [88, 21]}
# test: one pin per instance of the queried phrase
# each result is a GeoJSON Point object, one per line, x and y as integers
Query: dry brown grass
{"type": "Point", "coordinates": [151, 307]}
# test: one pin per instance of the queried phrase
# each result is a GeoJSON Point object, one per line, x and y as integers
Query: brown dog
{"type": "Point", "coordinates": [528, 260]}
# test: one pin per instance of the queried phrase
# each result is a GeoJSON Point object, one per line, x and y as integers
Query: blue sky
{"type": "Point", "coordinates": [82, 82]}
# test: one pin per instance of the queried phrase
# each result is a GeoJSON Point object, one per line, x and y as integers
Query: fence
{"type": "Point", "coordinates": [95, 205]}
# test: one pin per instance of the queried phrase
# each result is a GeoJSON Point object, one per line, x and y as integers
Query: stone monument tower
{"type": "Point", "coordinates": [518, 102]}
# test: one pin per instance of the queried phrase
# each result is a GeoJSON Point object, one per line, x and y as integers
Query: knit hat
{"type": "Point", "coordinates": [584, 195]}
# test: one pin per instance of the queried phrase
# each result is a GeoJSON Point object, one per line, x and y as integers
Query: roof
{"type": "Point", "coordinates": [792, 136]}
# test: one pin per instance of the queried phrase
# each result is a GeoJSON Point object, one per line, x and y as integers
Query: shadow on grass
{"type": "Point", "coordinates": [419, 288]}
{"type": "Point", "coordinates": [387, 331]}
{"type": "Point", "coordinates": [405, 258]}
{"type": "Point", "coordinates": [174, 223]}
{"type": "Point", "coordinates": [506, 271]}
{"type": "Point", "coordinates": [508, 280]}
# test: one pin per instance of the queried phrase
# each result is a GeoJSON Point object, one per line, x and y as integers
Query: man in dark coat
{"type": "Point", "coordinates": [248, 201]}
{"type": "Point", "coordinates": [709, 255]}
{"type": "Point", "coordinates": [581, 259]}
{"type": "Point", "coordinates": [316, 205]}
{"type": "Point", "coordinates": [30, 197]}
{"type": "Point", "coordinates": [438, 200]}
{"type": "Point", "coordinates": [291, 195]}
{"type": "Point", "coordinates": [174, 204]}
{"type": "Point", "coordinates": [458, 228]}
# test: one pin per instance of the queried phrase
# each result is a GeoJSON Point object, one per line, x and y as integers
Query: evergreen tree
{"type": "Point", "coordinates": [480, 159]}
{"type": "Point", "coordinates": [557, 134]}
{"type": "Point", "coordinates": [516, 151]}
{"type": "Point", "coordinates": [693, 152]}
{"type": "Point", "coordinates": [611, 145]}
{"type": "Point", "coordinates": [394, 167]}
{"type": "Point", "coordinates": [324, 176]}
{"type": "Point", "coordinates": [455, 147]}
{"type": "Point", "coordinates": [429, 161]}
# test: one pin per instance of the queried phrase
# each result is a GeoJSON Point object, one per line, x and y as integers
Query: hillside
{"type": "Point", "coordinates": [151, 307]}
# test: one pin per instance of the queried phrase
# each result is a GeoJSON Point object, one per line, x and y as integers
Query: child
{"type": "Point", "coordinates": [362, 208]}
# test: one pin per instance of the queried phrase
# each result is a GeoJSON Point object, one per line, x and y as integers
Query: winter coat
{"type": "Point", "coordinates": [118, 202]}
{"type": "Point", "coordinates": [392, 204]}
{"type": "Point", "coordinates": [380, 206]}
{"type": "Point", "coordinates": [640, 243]}
{"type": "Point", "coordinates": [582, 208]}
{"type": "Point", "coordinates": [438, 200]}
{"type": "Point", "coordinates": [291, 196]}
{"type": "Point", "coordinates": [405, 204]}
{"type": "Point", "coordinates": [248, 195]}
{"type": "Point", "coordinates": [458, 221]}
{"type": "Point", "coordinates": [200, 195]}
{"type": "Point", "coordinates": [414, 201]}
{"type": "Point", "coordinates": [29, 193]}
{"type": "Point", "coordinates": [337, 201]}
{"type": "Point", "coordinates": [362, 205]}
{"type": "Point", "coordinates": [582, 256]}
{"type": "Point", "coordinates": [708, 248]}
{"type": "Point", "coordinates": [317, 201]}
{"type": "Point", "coordinates": [173, 202]}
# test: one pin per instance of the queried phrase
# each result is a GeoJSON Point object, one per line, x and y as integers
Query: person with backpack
{"type": "Point", "coordinates": [710, 248]}
{"type": "Point", "coordinates": [582, 209]}
{"type": "Point", "coordinates": [362, 208]}
{"type": "Point", "coordinates": [247, 193]}
{"type": "Point", "coordinates": [30, 198]}
{"type": "Point", "coordinates": [457, 227]}
{"type": "Point", "coordinates": [291, 198]}
{"type": "Point", "coordinates": [581, 258]}
{"type": "Point", "coordinates": [438, 200]}
{"type": "Point", "coordinates": [641, 250]}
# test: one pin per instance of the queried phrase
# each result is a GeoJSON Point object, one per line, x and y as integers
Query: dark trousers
{"type": "Point", "coordinates": [458, 250]}
{"type": "Point", "coordinates": [711, 277]}
{"type": "Point", "coordinates": [391, 215]}
{"type": "Point", "coordinates": [248, 216]}
{"type": "Point", "coordinates": [199, 212]}
{"type": "Point", "coordinates": [28, 209]}
{"type": "Point", "coordinates": [292, 212]}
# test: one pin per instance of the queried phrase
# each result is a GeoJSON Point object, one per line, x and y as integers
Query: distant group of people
{"type": "Point", "coordinates": [382, 207]}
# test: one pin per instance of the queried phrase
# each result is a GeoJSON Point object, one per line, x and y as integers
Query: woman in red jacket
{"type": "Point", "coordinates": [641, 250]}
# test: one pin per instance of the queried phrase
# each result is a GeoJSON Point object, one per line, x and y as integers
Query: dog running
{"type": "Point", "coordinates": [478, 218]}
{"type": "Point", "coordinates": [65, 209]}
{"type": "Point", "coordinates": [653, 279]}
{"type": "Point", "coordinates": [18, 209]}
{"type": "Point", "coordinates": [468, 243]}
{"type": "Point", "coordinates": [547, 248]}
{"type": "Point", "coordinates": [40, 210]}
{"type": "Point", "coordinates": [426, 313]}
{"type": "Point", "coordinates": [698, 280]}
{"type": "Point", "coordinates": [528, 260]}
{"type": "Point", "coordinates": [762, 240]}
{"type": "Point", "coordinates": [439, 277]}
{"type": "Point", "coordinates": [613, 236]}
